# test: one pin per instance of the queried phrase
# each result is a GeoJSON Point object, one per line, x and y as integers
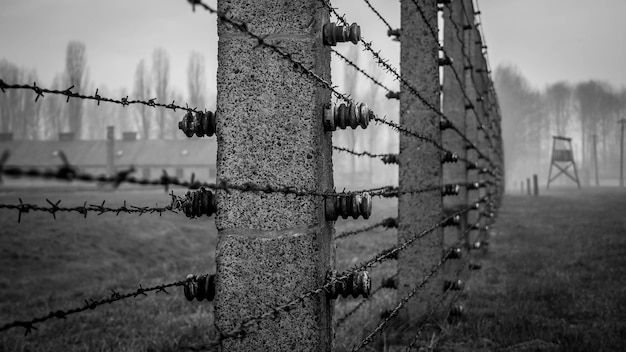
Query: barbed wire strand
{"type": "Point", "coordinates": [90, 304]}
{"type": "Point", "coordinates": [39, 91]}
{"type": "Point", "coordinates": [378, 15]}
{"type": "Point", "coordinates": [54, 208]}
{"type": "Point", "coordinates": [387, 223]}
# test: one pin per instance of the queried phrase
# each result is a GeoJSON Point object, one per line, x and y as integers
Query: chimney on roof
{"type": "Point", "coordinates": [129, 136]}
{"type": "Point", "coordinates": [66, 136]}
{"type": "Point", "coordinates": [6, 136]}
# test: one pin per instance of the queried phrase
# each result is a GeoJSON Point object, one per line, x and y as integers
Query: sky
{"type": "Point", "coordinates": [548, 40]}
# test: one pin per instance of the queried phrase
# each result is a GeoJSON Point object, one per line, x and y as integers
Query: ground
{"type": "Point", "coordinates": [552, 278]}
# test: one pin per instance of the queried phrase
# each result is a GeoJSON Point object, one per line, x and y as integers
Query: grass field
{"type": "Point", "coordinates": [553, 277]}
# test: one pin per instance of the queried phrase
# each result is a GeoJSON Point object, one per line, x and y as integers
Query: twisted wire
{"type": "Point", "coordinates": [39, 91]}
{"type": "Point", "coordinates": [378, 15]}
{"type": "Point", "coordinates": [360, 154]}
{"type": "Point", "coordinates": [359, 69]}
{"type": "Point", "coordinates": [90, 304]}
{"type": "Point", "coordinates": [387, 223]}
{"type": "Point", "coordinates": [54, 208]}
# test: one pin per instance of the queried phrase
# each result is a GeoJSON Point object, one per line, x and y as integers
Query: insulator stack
{"type": "Point", "coordinates": [453, 285]}
{"type": "Point", "coordinates": [356, 284]}
{"type": "Point", "coordinates": [196, 203]}
{"type": "Point", "coordinates": [390, 159]}
{"type": "Point", "coordinates": [343, 116]}
{"type": "Point", "coordinates": [200, 287]}
{"type": "Point", "coordinates": [450, 190]}
{"type": "Point", "coordinates": [452, 221]}
{"type": "Point", "coordinates": [389, 282]}
{"type": "Point", "coordinates": [201, 124]}
{"type": "Point", "coordinates": [454, 253]}
{"type": "Point", "coordinates": [334, 34]}
{"type": "Point", "coordinates": [450, 157]}
{"type": "Point", "coordinates": [347, 205]}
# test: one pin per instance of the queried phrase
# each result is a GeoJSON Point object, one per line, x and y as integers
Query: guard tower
{"type": "Point", "coordinates": [562, 159]}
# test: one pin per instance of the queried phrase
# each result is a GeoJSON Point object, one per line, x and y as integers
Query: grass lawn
{"type": "Point", "coordinates": [553, 277]}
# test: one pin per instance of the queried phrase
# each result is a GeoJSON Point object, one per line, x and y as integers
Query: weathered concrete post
{"type": "Point", "coordinates": [454, 109]}
{"type": "Point", "coordinates": [272, 247]}
{"type": "Point", "coordinates": [471, 124]}
{"type": "Point", "coordinates": [535, 185]}
{"type": "Point", "coordinates": [420, 162]}
{"type": "Point", "coordinates": [110, 150]}
{"type": "Point", "coordinates": [528, 189]}
{"type": "Point", "coordinates": [479, 71]}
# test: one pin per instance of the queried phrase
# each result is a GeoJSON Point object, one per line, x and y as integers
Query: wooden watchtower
{"type": "Point", "coordinates": [562, 159]}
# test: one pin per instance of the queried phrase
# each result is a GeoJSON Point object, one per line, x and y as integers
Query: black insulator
{"type": "Point", "coordinates": [450, 157]}
{"type": "Point", "coordinates": [390, 159]}
{"type": "Point", "coordinates": [355, 284]}
{"type": "Point", "coordinates": [450, 190]}
{"type": "Point", "coordinates": [389, 282]}
{"type": "Point", "coordinates": [201, 124]}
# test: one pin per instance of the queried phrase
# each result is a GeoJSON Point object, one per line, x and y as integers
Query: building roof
{"type": "Point", "coordinates": [141, 153]}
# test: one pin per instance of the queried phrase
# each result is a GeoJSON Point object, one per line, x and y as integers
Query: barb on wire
{"type": "Point", "coordinates": [378, 15]}
{"type": "Point", "coordinates": [359, 69]}
{"type": "Point", "coordinates": [89, 304]}
{"type": "Point", "coordinates": [387, 223]}
{"type": "Point", "coordinates": [384, 157]}
{"type": "Point", "coordinates": [69, 94]}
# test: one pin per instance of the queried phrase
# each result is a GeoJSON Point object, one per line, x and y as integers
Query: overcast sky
{"type": "Point", "coordinates": [549, 40]}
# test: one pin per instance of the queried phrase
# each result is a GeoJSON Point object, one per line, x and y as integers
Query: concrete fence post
{"type": "Point", "coordinates": [471, 124]}
{"type": "Point", "coordinates": [454, 109]}
{"type": "Point", "coordinates": [271, 246]}
{"type": "Point", "coordinates": [419, 161]}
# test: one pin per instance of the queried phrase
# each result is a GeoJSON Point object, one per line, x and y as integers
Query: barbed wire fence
{"type": "Point", "coordinates": [274, 189]}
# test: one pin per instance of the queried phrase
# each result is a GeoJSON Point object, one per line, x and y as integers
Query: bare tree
{"type": "Point", "coordinates": [55, 111]}
{"type": "Point", "coordinates": [142, 92]}
{"type": "Point", "coordinates": [75, 64]}
{"type": "Point", "coordinates": [559, 104]}
{"type": "Point", "coordinates": [196, 82]}
{"type": "Point", "coordinates": [524, 122]}
{"type": "Point", "coordinates": [19, 114]}
{"type": "Point", "coordinates": [161, 72]}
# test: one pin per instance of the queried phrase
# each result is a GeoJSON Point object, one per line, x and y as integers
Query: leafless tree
{"type": "Point", "coordinates": [559, 103]}
{"type": "Point", "coordinates": [161, 72]}
{"type": "Point", "coordinates": [142, 91]}
{"type": "Point", "coordinates": [75, 65]}
{"type": "Point", "coordinates": [196, 82]}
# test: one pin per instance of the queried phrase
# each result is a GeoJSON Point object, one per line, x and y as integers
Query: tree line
{"type": "Point", "coordinates": [588, 112]}
{"type": "Point", "coordinates": [49, 117]}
